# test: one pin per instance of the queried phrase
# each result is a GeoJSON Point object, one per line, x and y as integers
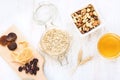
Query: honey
{"type": "Point", "coordinates": [109, 45]}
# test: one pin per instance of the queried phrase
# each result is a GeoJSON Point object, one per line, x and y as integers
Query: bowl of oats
{"type": "Point", "coordinates": [55, 43]}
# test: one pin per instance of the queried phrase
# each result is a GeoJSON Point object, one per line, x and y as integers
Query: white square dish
{"type": "Point", "coordinates": [85, 6]}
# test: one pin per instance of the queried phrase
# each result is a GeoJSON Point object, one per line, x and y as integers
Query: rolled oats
{"type": "Point", "coordinates": [55, 42]}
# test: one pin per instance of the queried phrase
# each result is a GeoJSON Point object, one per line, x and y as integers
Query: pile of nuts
{"type": "Point", "coordinates": [9, 40]}
{"type": "Point", "coordinates": [30, 67]}
{"type": "Point", "coordinates": [86, 19]}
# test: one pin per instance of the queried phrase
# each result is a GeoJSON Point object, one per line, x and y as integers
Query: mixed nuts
{"type": "Point", "coordinates": [86, 19]}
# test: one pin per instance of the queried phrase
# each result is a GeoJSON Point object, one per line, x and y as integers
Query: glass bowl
{"type": "Point", "coordinates": [45, 13]}
{"type": "Point", "coordinates": [62, 56]}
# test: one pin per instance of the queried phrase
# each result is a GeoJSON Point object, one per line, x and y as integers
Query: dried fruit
{"type": "Point", "coordinates": [20, 68]}
{"type": "Point", "coordinates": [30, 67]}
{"type": "Point", "coordinates": [9, 40]}
{"type": "Point", "coordinates": [23, 56]}
{"type": "Point", "coordinates": [3, 40]}
{"type": "Point", "coordinates": [12, 46]}
{"type": "Point", "coordinates": [11, 37]}
{"type": "Point", "coordinates": [35, 60]}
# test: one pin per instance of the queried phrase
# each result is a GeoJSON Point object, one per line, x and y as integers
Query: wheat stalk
{"type": "Point", "coordinates": [86, 60]}
{"type": "Point", "coordinates": [81, 61]}
{"type": "Point", "coordinates": [79, 57]}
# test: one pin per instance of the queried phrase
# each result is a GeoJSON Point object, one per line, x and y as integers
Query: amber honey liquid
{"type": "Point", "coordinates": [109, 45]}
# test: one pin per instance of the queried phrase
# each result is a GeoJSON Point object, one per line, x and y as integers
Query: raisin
{"type": "Point", "coordinates": [31, 72]}
{"type": "Point", "coordinates": [35, 60]}
{"type": "Point", "coordinates": [26, 64]}
{"type": "Point", "coordinates": [20, 69]}
{"type": "Point", "coordinates": [30, 67]}
{"type": "Point", "coordinates": [26, 71]}
{"type": "Point", "coordinates": [35, 64]}
{"type": "Point", "coordinates": [11, 37]}
{"type": "Point", "coordinates": [31, 62]}
{"type": "Point", "coordinates": [37, 68]}
{"type": "Point", "coordinates": [34, 72]}
{"type": "Point", "coordinates": [12, 46]}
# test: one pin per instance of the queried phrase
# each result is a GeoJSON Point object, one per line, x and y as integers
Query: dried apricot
{"type": "Point", "coordinates": [3, 40]}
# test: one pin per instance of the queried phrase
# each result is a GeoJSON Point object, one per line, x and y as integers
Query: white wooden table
{"type": "Point", "coordinates": [19, 13]}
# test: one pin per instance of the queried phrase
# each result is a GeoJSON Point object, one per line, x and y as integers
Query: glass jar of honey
{"type": "Point", "coordinates": [109, 45]}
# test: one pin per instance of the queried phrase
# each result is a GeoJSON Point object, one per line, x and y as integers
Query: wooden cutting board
{"type": "Point", "coordinates": [5, 53]}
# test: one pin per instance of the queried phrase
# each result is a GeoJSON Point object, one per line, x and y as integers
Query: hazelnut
{"type": "Point", "coordinates": [83, 11]}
